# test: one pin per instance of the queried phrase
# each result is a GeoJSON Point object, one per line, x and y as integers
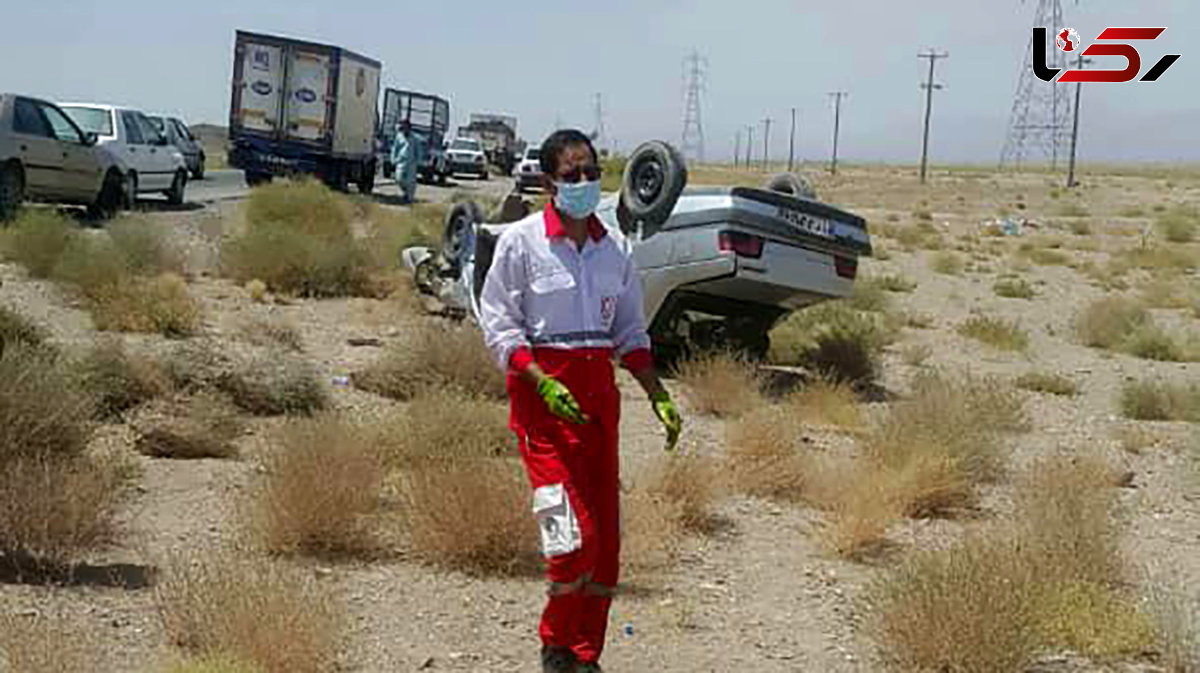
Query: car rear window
{"type": "Point", "coordinates": [92, 119]}
{"type": "Point", "coordinates": [469, 145]}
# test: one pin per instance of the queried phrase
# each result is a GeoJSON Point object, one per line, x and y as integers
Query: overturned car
{"type": "Point", "coordinates": [720, 266]}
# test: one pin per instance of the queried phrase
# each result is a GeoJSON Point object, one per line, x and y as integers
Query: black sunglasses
{"type": "Point", "coordinates": [590, 173]}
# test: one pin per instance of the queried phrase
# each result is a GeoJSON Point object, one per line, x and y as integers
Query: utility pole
{"type": "Point", "coordinates": [766, 143]}
{"type": "Point", "coordinates": [929, 86]}
{"type": "Point", "coordinates": [737, 147]}
{"type": "Point", "coordinates": [695, 77]}
{"type": "Point", "coordinates": [749, 143]}
{"type": "Point", "coordinates": [792, 143]}
{"type": "Point", "coordinates": [837, 116]}
{"type": "Point", "coordinates": [1075, 123]}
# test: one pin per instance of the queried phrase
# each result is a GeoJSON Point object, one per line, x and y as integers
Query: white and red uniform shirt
{"type": "Point", "coordinates": [543, 291]}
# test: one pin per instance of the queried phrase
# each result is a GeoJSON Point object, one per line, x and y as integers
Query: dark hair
{"type": "Point", "coordinates": [558, 141]}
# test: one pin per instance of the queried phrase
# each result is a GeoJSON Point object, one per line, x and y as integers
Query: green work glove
{"type": "Point", "coordinates": [665, 409]}
{"type": "Point", "coordinates": [560, 400]}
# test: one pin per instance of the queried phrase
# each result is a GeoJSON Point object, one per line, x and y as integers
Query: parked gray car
{"type": "Point", "coordinates": [45, 156]}
{"type": "Point", "coordinates": [179, 135]}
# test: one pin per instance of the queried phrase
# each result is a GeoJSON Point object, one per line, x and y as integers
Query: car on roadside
{"type": "Point", "coordinates": [45, 156]}
{"type": "Point", "coordinates": [179, 135]}
{"type": "Point", "coordinates": [528, 173]}
{"type": "Point", "coordinates": [465, 155]}
{"type": "Point", "coordinates": [148, 161]}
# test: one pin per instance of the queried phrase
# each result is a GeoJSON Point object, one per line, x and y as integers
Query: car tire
{"type": "Point", "coordinates": [176, 193]}
{"type": "Point", "coordinates": [791, 184]}
{"type": "Point", "coordinates": [112, 194]}
{"type": "Point", "coordinates": [454, 231]}
{"type": "Point", "coordinates": [129, 197]}
{"type": "Point", "coordinates": [12, 190]}
{"type": "Point", "coordinates": [256, 179]}
{"type": "Point", "coordinates": [198, 174]}
{"type": "Point", "coordinates": [655, 176]}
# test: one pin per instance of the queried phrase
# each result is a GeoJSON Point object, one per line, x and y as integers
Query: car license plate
{"type": "Point", "coordinates": [813, 225]}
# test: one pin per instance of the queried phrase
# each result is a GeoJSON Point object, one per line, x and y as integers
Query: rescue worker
{"type": "Point", "coordinates": [405, 160]}
{"type": "Point", "coordinates": [562, 300]}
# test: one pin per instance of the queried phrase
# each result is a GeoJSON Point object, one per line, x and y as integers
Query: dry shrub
{"type": "Point", "coordinates": [693, 485]}
{"type": "Point", "coordinates": [299, 239]}
{"type": "Point", "coordinates": [895, 283]}
{"type": "Point", "coordinates": [947, 263]}
{"type": "Point", "coordinates": [999, 334]}
{"type": "Point", "coordinates": [943, 440]}
{"type": "Point", "coordinates": [119, 381]}
{"type": "Point", "coordinates": [915, 355]}
{"type": "Point", "coordinates": [470, 514]}
{"type": "Point", "coordinates": [1151, 342]}
{"type": "Point", "coordinates": [92, 264]}
{"type": "Point", "coordinates": [835, 341]}
{"type": "Point", "coordinates": [267, 333]}
{"type": "Point", "coordinates": [16, 330]}
{"type": "Point", "coordinates": [257, 290]}
{"type": "Point", "coordinates": [201, 426]}
{"type": "Point", "coordinates": [721, 384]}
{"type": "Point", "coordinates": [651, 532]}
{"type": "Point", "coordinates": [43, 413]}
{"type": "Point", "coordinates": [160, 305]}
{"type": "Point", "coordinates": [1047, 382]}
{"type": "Point", "coordinates": [869, 295]}
{"type": "Point", "coordinates": [827, 402]}
{"type": "Point", "coordinates": [1179, 225]}
{"type": "Point", "coordinates": [1108, 322]}
{"type": "Point", "coordinates": [273, 383]}
{"type": "Point", "coordinates": [1135, 438]}
{"type": "Point", "coordinates": [274, 618]}
{"type": "Point", "coordinates": [962, 609]}
{"type": "Point", "coordinates": [143, 246]}
{"type": "Point", "coordinates": [861, 506]}
{"type": "Point", "coordinates": [1169, 291]}
{"type": "Point", "coordinates": [1046, 256]}
{"type": "Point", "coordinates": [40, 644]}
{"type": "Point", "coordinates": [391, 230]}
{"type": "Point", "coordinates": [321, 490]}
{"type": "Point", "coordinates": [37, 239]}
{"type": "Point", "coordinates": [995, 601]}
{"type": "Point", "coordinates": [444, 425]}
{"type": "Point", "coordinates": [214, 663]}
{"type": "Point", "coordinates": [768, 455]}
{"type": "Point", "coordinates": [1177, 620]}
{"type": "Point", "coordinates": [52, 508]}
{"type": "Point", "coordinates": [1160, 401]}
{"type": "Point", "coordinates": [1014, 288]}
{"type": "Point", "coordinates": [437, 355]}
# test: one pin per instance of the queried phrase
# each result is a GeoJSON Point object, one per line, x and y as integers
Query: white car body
{"type": "Point", "coordinates": [465, 155]}
{"type": "Point", "coordinates": [528, 172]}
{"type": "Point", "coordinates": [145, 156]}
{"type": "Point", "coordinates": [45, 156]}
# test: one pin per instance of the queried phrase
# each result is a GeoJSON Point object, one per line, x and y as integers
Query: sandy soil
{"type": "Point", "coordinates": [762, 594]}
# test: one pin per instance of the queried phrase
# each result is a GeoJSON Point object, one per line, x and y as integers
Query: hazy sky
{"type": "Point", "coordinates": [545, 61]}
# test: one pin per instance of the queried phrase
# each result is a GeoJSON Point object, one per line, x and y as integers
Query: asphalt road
{"type": "Point", "coordinates": [228, 185]}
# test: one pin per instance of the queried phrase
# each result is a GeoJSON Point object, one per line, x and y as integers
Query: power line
{"type": "Point", "coordinates": [766, 143]}
{"type": "Point", "coordinates": [1038, 121]}
{"type": "Point", "coordinates": [929, 86]}
{"type": "Point", "coordinates": [1075, 122]}
{"type": "Point", "coordinates": [694, 76]}
{"type": "Point", "coordinates": [837, 117]}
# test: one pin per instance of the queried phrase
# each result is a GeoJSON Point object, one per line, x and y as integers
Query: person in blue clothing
{"type": "Point", "coordinates": [404, 158]}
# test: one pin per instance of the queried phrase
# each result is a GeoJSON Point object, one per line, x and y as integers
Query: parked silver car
{"type": "Point", "coordinates": [179, 135]}
{"type": "Point", "coordinates": [45, 156]}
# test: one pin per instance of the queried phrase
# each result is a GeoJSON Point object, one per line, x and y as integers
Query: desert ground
{"type": "Point", "coordinates": [304, 469]}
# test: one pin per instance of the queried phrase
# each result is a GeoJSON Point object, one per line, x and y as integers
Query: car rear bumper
{"type": "Point", "coordinates": [529, 179]}
{"type": "Point", "coordinates": [466, 167]}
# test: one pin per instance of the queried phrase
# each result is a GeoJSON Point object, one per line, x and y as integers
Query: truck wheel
{"type": "Point", "coordinates": [366, 184]}
{"type": "Point", "coordinates": [655, 176]}
{"type": "Point", "coordinates": [454, 231]}
{"type": "Point", "coordinates": [256, 179]}
{"type": "Point", "coordinates": [12, 191]}
{"type": "Point", "coordinates": [791, 184]}
{"type": "Point", "coordinates": [176, 193]}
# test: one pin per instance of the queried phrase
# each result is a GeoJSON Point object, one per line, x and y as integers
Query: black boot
{"type": "Point", "coordinates": [557, 660]}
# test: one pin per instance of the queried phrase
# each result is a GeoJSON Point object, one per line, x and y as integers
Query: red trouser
{"type": "Point", "coordinates": [573, 470]}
